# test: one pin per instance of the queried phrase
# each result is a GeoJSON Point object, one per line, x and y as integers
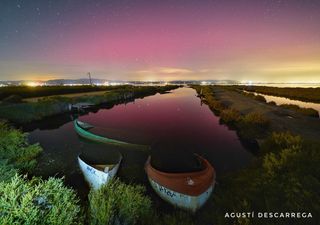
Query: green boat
{"type": "Point", "coordinates": [83, 128]}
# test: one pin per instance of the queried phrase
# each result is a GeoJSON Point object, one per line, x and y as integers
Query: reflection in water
{"type": "Point", "coordinates": [177, 117]}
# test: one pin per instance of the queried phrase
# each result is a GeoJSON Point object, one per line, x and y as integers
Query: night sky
{"type": "Point", "coordinates": [258, 40]}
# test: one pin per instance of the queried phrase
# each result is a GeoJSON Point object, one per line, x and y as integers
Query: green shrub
{"type": "Point", "coordinates": [253, 125]}
{"type": "Point", "coordinates": [305, 111]}
{"type": "Point", "coordinates": [279, 141]}
{"type": "Point", "coordinates": [15, 148]}
{"type": "Point", "coordinates": [119, 203]}
{"type": "Point", "coordinates": [291, 170]}
{"type": "Point", "coordinates": [285, 178]}
{"type": "Point", "coordinates": [230, 116]}
{"type": "Point", "coordinates": [7, 171]}
{"type": "Point", "coordinates": [259, 98]}
{"type": "Point", "coordinates": [272, 103]}
{"type": "Point", "coordinates": [255, 119]}
{"type": "Point", "coordinates": [27, 112]}
{"type": "Point", "coordinates": [249, 94]}
{"type": "Point", "coordinates": [38, 202]}
{"type": "Point", "coordinates": [214, 104]}
{"type": "Point", "coordinates": [280, 147]}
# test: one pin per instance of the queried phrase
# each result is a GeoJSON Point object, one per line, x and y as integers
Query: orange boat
{"type": "Point", "coordinates": [187, 190]}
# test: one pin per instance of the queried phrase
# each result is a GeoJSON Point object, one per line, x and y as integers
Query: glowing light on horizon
{"type": "Point", "coordinates": [34, 84]}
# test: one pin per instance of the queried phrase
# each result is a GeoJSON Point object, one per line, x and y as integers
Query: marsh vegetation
{"type": "Point", "coordinates": [31, 200]}
{"type": "Point", "coordinates": [297, 93]}
{"type": "Point", "coordinates": [283, 177]}
{"type": "Point", "coordinates": [26, 112]}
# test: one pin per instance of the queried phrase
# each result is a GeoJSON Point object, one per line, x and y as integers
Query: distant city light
{"type": "Point", "coordinates": [34, 84]}
{"type": "Point", "coordinates": [205, 83]}
{"type": "Point", "coordinates": [73, 84]}
{"type": "Point", "coordinates": [103, 84]}
{"type": "Point", "coordinates": [249, 82]}
{"type": "Point", "coordinates": [115, 83]}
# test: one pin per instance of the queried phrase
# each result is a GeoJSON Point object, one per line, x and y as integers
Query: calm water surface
{"type": "Point", "coordinates": [174, 117]}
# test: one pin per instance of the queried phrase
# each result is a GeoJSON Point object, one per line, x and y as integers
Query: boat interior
{"type": "Point", "coordinates": [103, 167]}
{"type": "Point", "coordinates": [101, 159]}
{"type": "Point", "coordinates": [84, 125]}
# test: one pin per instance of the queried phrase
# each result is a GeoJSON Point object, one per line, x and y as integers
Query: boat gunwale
{"type": "Point", "coordinates": [98, 177]}
{"type": "Point", "coordinates": [178, 174]}
{"type": "Point", "coordinates": [89, 164]}
{"type": "Point", "coordinates": [178, 183]}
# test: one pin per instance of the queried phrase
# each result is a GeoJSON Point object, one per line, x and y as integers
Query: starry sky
{"type": "Point", "coordinates": [260, 41]}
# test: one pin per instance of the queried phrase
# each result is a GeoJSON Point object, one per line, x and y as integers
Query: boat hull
{"type": "Point", "coordinates": [83, 132]}
{"type": "Point", "coordinates": [180, 200]}
{"type": "Point", "coordinates": [188, 191]}
{"type": "Point", "coordinates": [94, 177]}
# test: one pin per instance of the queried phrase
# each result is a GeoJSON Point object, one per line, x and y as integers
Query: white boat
{"type": "Point", "coordinates": [188, 190]}
{"type": "Point", "coordinates": [98, 169]}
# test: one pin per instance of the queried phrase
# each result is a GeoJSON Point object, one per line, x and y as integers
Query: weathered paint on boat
{"type": "Point", "coordinates": [82, 130]}
{"type": "Point", "coordinates": [95, 177]}
{"type": "Point", "coordinates": [192, 203]}
{"type": "Point", "coordinates": [188, 191]}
